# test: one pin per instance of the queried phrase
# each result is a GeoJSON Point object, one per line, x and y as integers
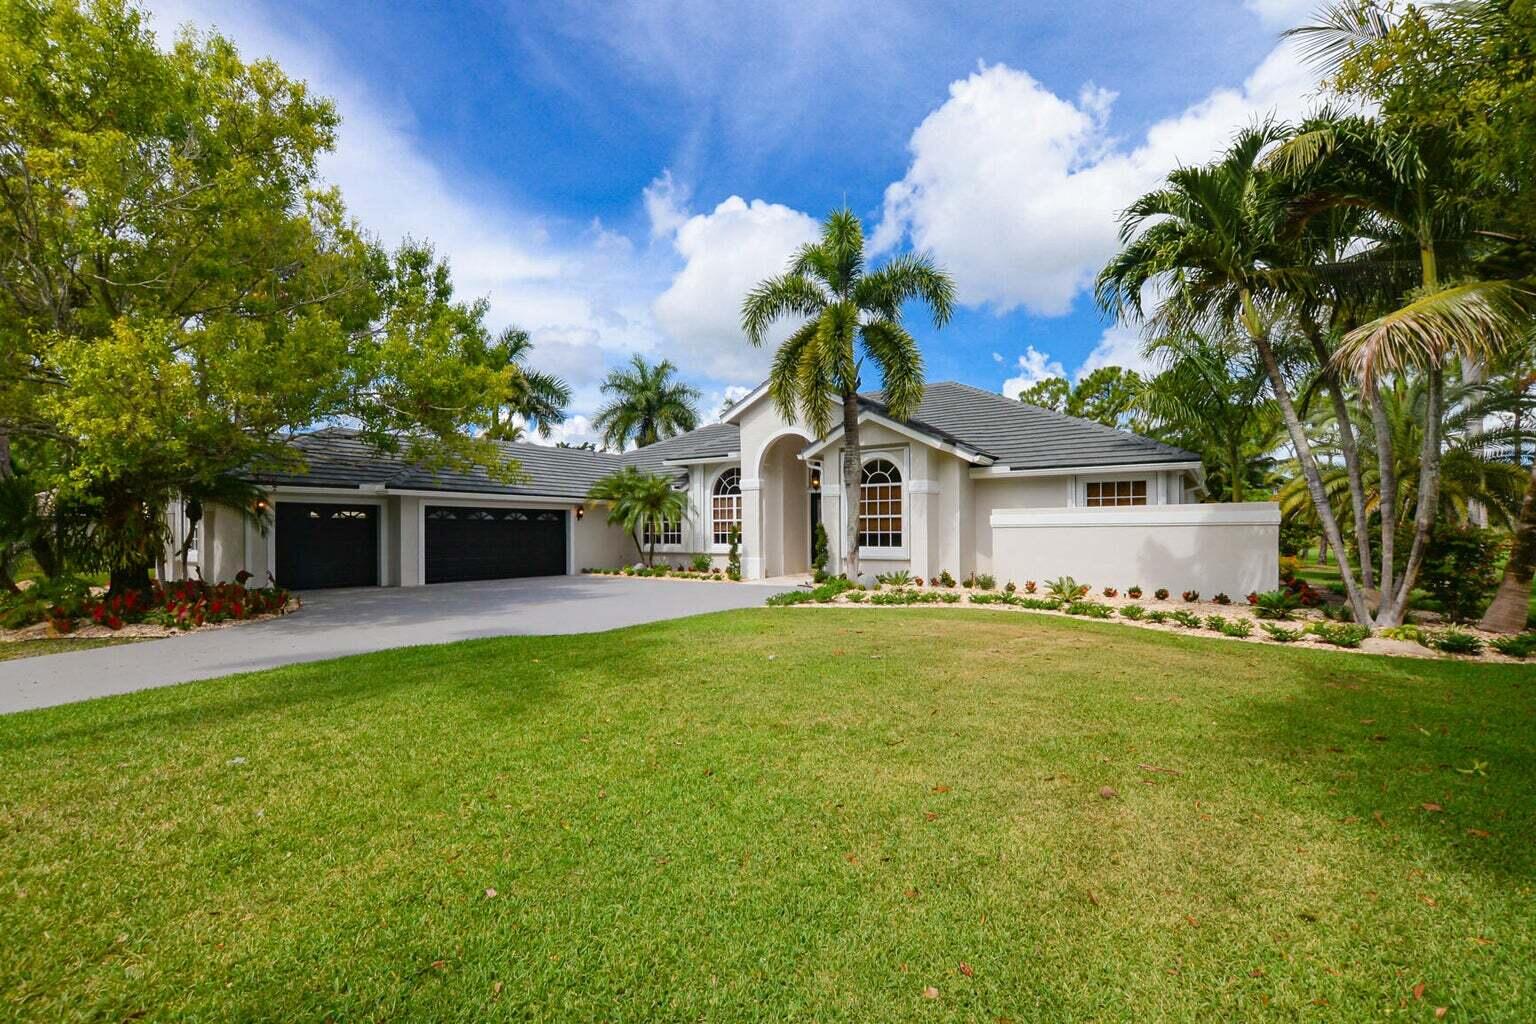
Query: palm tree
{"type": "Point", "coordinates": [850, 314]}
{"type": "Point", "coordinates": [1209, 236]}
{"type": "Point", "coordinates": [538, 399]}
{"type": "Point", "coordinates": [648, 405]}
{"type": "Point", "coordinates": [1210, 397]}
{"type": "Point", "coordinates": [641, 503]}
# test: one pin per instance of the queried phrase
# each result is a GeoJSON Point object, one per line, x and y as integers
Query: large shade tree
{"type": "Point", "coordinates": [647, 403]}
{"type": "Point", "coordinates": [848, 314]}
{"type": "Point", "coordinates": [179, 290]}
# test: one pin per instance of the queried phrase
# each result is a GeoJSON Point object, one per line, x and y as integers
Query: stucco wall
{"type": "Point", "coordinates": [1232, 549]}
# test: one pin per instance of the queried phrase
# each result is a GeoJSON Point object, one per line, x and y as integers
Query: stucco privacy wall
{"type": "Point", "coordinates": [1232, 549]}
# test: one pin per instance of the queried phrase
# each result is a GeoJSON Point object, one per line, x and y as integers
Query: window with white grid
{"type": "Point", "coordinates": [880, 505]}
{"type": "Point", "coordinates": [1112, 493]}
{"type": "Point", "coordinates": [725, 506]}
{"type": "Point", "coordinates": [670, 532]}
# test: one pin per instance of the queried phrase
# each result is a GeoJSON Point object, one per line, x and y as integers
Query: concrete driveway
{"type": "Point", "coordinates": [338, 622]}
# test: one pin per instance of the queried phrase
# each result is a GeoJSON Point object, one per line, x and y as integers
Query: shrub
{"type": "Point", "coordinates": [992, 599]}
{"type": "Point", "coordinates": [986, 581]}
{"type": "Point", "coordinates": [1338, 613]}
{"type": "Point", "coordinates": [1132, 612]}
{"type": "Point", "coordinates": [1215, 623]}
{"type": "Point", "coordinates": [1460, 568]}
{"type": "Point", "coordinates": [790, 597]}
{"type": "Point", "coordinates": [1065, 588]}
{"type": "Point", "coordinates": [1275, 604]}
{"type": "Point", "coordinates": [1238, 628]}
{"type": "Point", "coordinates": [829, 590]}
{"type": "Point", "coordinates": [819, 549]}
{"type": "Point", "coordinates": [1134, 593]}
{"type": "Point", "coordinates": [1092, 609]}
{"type": "Point", "coordinates": [63, 597]}
{"type": "Point", "coordinates": [1290, 566]}
{"type": "Point", "coordinates": [949, 598]}
{"type": "Point", "coordinates": [1407, 632]}
{"type": "Point", "coordinates": [857, 596]}
{"type": "Point", "coordinates": [1222, 599]}
{"type": "Point", "coordinates": [1190, 596]}
{"type": "Point", "coordinates": [1344, 634]}
{"type": "Point", "coordinates": [1157, 615]}
{"type": "Point", "coordinates": [1455, 641]}
{"type": "Point", "coordinates": [1253, 597]}
{"type": "Point", "coordinates": [1029, 586]}
{"type": "Point", "coordinates": [1011, 588]}
{"type": "Point", "coordinates": [1520, 646]}
{"type": "Point", "coordinates": [969, 583]}
{"type": "Point", "coordinates": [1279, 634]}
{"type": "Point", "coordinates": [700, 563]}
{"type": "Point", "coordinates": [1161, 593]}
{"type": "Point", "coordinates": [1040, 604]}
{"type": "Point", "coordinates": [1111, 592]}
{"type": "Point", "coordinates": [944, 580]}
{"type": "Point", "coordinates": [899, 578]}
{"type": "Point", "coordinates": [1189, 620]}
{"type": "Point", "coordinates": [733, 557]}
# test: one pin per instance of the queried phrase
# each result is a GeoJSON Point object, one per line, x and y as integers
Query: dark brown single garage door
{"type": "Point", "coordinates": [323, 545]}
{"type": "Point", "coordinates": [493, 543]}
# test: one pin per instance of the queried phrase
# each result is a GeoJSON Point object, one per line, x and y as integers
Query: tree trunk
{"type": "Point", "coordinates": [852, 479]}
{"type": "Point", "coordinates": [1386, 468]}
{"type": "Point", "coordinates": [1511, 605]}
{"type": "Point", "coordinates": [1322, 550]}
{"type": "Point", "coordinates": [1429, 499]}
{"type": "Point", "coordinates": [1309, 470]}
{"type": "Point", "coordinates": [1348, 448]}
{"type": "Point", "coordinates": [1474, 373]}
{"type": "Point", "coordinates": [1235, 468]}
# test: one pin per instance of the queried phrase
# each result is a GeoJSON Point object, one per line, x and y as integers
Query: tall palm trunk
{"type": "Point", "coordinates": [1387, 470]}
{"type": "Point", "coordinates": [1304, 455]}
{"type": "Point", "coordinates": [1511, 605]}
{"type": "Point", "coordinates": [852, 471]}
{"type": "Point", "coordinates": [1347, 447]}
{"type": "Point", "coordinates": [1429, 498]}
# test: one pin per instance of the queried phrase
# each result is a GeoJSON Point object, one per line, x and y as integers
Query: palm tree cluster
{"type": "Point", "coordinates": [1351, 281]}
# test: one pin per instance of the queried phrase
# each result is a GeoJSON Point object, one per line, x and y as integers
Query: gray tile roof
{"type": "Point", "coordinates": [1026, 436]}
{"type": "Point", "coordinates": [714, 441]}
{"type": "Point", "coordinates": [982, 422]}
{"type": "Point", "coordinates": [337, 457]}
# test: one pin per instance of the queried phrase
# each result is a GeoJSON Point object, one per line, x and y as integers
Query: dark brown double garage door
{"type": "Point", "coordinates": [493, 543]}
{"type": "Point", "coordinates": [334, 545]}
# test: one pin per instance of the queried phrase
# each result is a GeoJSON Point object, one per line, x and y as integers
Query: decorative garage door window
{"type": "Point", "coordinates": [492, 543]}
{"type": "Point", "coordinates": [1114, 493]}
{"type": "Point", "coordinates": [671, 532]}
{"type": "Point", "coordinates": [726, 505]}
{"type": "Point", "coordinates": [880, 505]}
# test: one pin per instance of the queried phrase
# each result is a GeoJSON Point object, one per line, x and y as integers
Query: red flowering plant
{"type": "Point", "coordinates": [185, 604]}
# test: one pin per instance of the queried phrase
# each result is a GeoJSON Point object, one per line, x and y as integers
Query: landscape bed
{"type": "Point", "coordinates": [925, 814]}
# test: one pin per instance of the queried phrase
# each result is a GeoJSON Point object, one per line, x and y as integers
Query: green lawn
{"type": "Point", "coordinates": [784, 815]}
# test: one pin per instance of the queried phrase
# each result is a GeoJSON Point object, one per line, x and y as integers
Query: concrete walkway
{"type": "Point", "coordinates": [339, 622]}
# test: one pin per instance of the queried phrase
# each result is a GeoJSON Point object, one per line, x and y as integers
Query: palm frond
{"type": "Point", "coordinates": [1475, 320]}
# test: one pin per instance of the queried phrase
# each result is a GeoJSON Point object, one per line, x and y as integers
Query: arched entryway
{"type": "Point", "coordinates": [785, 506]}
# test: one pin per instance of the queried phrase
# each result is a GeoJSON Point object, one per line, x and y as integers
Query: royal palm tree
{"type": "Point", "coordinates": [536, 398]}
{"type": "Point", "coordinates": [1209, 238]}
{"type": "Point", "coordinates": [850, 314]}
{"type": "Point", "coordinates": [647, 405]}
{"type": "Point", "coordinates": [640, 503]}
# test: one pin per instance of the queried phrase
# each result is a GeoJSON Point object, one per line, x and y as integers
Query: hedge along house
{"type": "Point", "coordinates": [972, 482]}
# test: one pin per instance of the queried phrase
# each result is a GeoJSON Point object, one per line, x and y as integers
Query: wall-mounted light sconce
{"type": "Point", "coordinates": [580, 511]}
{"type": "Point", "coordinates": [261, 504]}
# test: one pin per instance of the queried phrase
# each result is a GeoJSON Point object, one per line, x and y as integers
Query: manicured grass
{"type": "Point", "coordinates": [54, 645]}
{"type": "Point", "coordinates": [784, 814]}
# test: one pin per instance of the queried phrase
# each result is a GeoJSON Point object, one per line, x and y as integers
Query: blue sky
{"type": "Point", "coordinates": [613, 176]}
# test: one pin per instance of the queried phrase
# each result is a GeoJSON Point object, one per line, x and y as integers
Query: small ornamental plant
{"type": "Point", "coordinates": [1253, 597]}
{"type": "Point", "coordinates": [1240, 628]}
{"type": "Point", "coordinates": [1456, 641]}
{"type": "Point", "coordinates": [1280, 634]}
{"type": "Point", "coordinates": [1030, 586]}
{"type": "Point", "coordinates": [1134, 593]}
{"type": "Point", "coordinates": [1189, 620]}
{"type": "Point", "coordinates": [1215, 623]}
{"type": "Point", "coordinates": [1520, 646]}
{"type": "Point", "coordinates": [1161, 593]}
{"type": "Point", "coordinates": [1157, 615]}
{"type": "Point", "coordinates": [986, 581]}
{"type": "Point", "coordinates": [1011, 588]}
{"type": "Point", "coordinates": [1111, 592]}
{"type": "Point", "coordinates": [1132, 612]}
{"type": "Point", "coordinates": [1222, 599]}
{"type": "Point", "coordinates": [945, 579]}
{"type": "Point", "coordinates": [1190, 596]}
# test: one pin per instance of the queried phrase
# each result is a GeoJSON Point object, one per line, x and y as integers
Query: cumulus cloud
{"type": "Point", "coordinates": [1016, 190]}
{"type": "Point", "coordinates": [1033, 366]}
{"type": "Point", "coordinates": [580, 291]}
{"type": "Point", "coordinates": [1282, 14]}
{"type": "Point", "coordinates": [1118, 346]}
{"type": "Point", "coordinates": [725, 252]}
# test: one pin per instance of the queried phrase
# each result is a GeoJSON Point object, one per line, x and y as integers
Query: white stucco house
{"type": "Point", "coordinates": [972, 482]}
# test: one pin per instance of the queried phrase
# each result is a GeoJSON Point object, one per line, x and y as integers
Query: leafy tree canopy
{"type": "Point", "coordinates": [179, 291]}
{"type": "Point", "coordinates": [1106, 395]}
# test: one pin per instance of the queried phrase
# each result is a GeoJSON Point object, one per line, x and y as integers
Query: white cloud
{"type": "Point", "coordinates": [1118, 346]}
{"type": "Point", "coordinates": [1033, 366]}
{"type": "Point", "coordinates": [574, 430]}
{"type": "Point", "coordinates": [1282, 14]}
{"type": "Point", "coordinates": [1016, 191]}
{"type": "Point", "coordinates": [725, 252]}
{"type": "Point", "coordinates": [580, 291]}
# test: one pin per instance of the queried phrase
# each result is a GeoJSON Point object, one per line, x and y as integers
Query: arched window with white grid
{"type": "Point", "coordinates": [725, 506]}
{"type": "Point", "coordinates": [880, 505]}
